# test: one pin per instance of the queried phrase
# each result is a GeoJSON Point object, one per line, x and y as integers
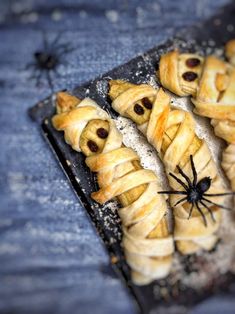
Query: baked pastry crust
{"type": "Point", "coordinates": [228, 163]}
{"type": "Point", "coordinates": [172, 133]}
{"type": "Point", "coordinates": [226, 128]}
{"type": "Point", "coordinates": [147, 242]}
{"type": "Point", "coordinates": [213, 92]}
{"type": "Point", "coordinates": [180, 73]}
{"type": "Point", "coordinates": [215, 98]}
{"type": "Point", "coordinates": [230, 51]}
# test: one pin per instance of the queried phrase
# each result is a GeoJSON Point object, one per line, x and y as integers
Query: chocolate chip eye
{"type": "Point", "coordinates": [102, 133]}
{"type": "Point", "coordinates": [147, 103]}
{"type": "Point", "coordinates": [139, 109]}
{"type": "Point", "coordinates": [193, 62]}
{"type": "Point", "coordinates": [93, 146]}
{"type": "Point", "coordinates": [189, 76]}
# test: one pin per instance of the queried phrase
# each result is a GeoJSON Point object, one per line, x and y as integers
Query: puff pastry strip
{"type": "Point", "coordinates": [230, 51]}
{"type": "Point", "coordinates": [147, 243]}
{"type": "Point", "coordinates": [180, 73]}
{"type": "Point", "coordinates": [172, 133]}
{"type": "Point", "coordinates": [228, 164]}
{"type": "Point", "coordinates": [212, 88]}
{"type": "Point", "coordinates": [227, 130]}
{"type": "Point", "coordinates": [209, 80]}
{"type": "Point", "coordinates": [215, 99]}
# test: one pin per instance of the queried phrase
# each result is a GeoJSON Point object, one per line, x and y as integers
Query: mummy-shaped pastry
{"type": "Point", "coordinates": [172, 133]}
{"type": "Point", "coordinates": [230, 51]}
{"type": "Point", "coordinates": [228, 164]}
{"type": "Point", "coordinates": [210, 81]}
{"type": "Point", "coordinates": [180, 73]}
{"type": "Point", "coordinates": [227, 129]}
{"type": "Point", "coordinates": [212, 89]}
{"type": "Point", "coordinates": [215, 99]}
{"type": "Point", "coordinates": [147, 243]}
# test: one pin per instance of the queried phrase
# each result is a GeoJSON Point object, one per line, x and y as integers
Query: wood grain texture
{"type": "Point", "coordinates": [51, 259]}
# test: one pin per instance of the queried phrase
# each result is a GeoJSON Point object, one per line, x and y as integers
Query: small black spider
{"type": "Point", "coordinates": [47, 59]}
{"type": "Point", "coordinates": [195, 192]}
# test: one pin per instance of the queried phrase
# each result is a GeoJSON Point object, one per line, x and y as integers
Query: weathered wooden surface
{"type": "Point", "coordinates": [51, 260]}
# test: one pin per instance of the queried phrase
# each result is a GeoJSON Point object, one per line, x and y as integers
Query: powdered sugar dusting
{"type": "Point", "coordinates": [148, 156]}
{"type": "Point", "coordinates": [207, 264]}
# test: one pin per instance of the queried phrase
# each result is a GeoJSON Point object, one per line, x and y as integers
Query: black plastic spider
{"type": "Point", "coordinates": [195, 192]}
{"type": "Point", "coordinates": [47, 60]}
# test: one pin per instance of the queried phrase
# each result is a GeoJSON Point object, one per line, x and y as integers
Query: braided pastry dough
{"type": "Point", "coordinates": [230, 51]}
{"type": "Point", "coordinates": [228, 164]}
{"type": "Point", "coordinates": [212, 89]}
{"type": "Point", "coordinates": [147, 243]}
{"type": "Point", "coordinates": [180, 73]}
{"type": "Point", "coordinates": [228, 161]}
{"type": "Point", "coordinates": [210, 81]}
{"type": "Point", "coordinates": [215, 99]}
{"type": "Point", "coordinates": [172, 133]}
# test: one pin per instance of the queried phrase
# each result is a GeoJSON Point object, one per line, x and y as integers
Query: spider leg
{"type": "Point", "coordinates": [220, 194]}
{"type": "Point", "coordinates": [193, 170]}
{"type": "Point", "coordinates": [55, 40]}
{"type": "Point", "coordinates": [180, 201]}
{"type": "Point", "coordinates": [184, 176]}
{"type": "Point", "coordinates": [49, 80]}
{"type": "Point", "coordinates": [30, 66]}
{"type": "Point", "coordinates": [201, 212]}
{"type": "Point", "coordinates": [179, 181]}
{"type": "Point", "coordinates": [62, 46]}
{"type": "Point", "coordinates": [191, 210]}
{"type": "Point", "coordinates": [65, 46]}
{"type": "Point", "coordinates": [173, 192]}
{"type": "Point", "coordinates": [38, 78]}
{"type": "Point", "coordinates": [219, 205]}
{"type": "Point", "coordinates": [209, 210]}
{"type": "Point", "coordinates": [65, 51]}
{"type": "Point", "coordinates": [35, 74]}
{"type": "Point", "coordinates": [45, 41]}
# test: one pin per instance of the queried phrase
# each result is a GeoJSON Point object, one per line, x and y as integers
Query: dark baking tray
{"type": "Point", "coordinates": [204, 37]}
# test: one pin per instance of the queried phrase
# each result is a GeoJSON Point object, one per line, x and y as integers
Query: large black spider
{"type": "Point", "coordinates": [47, 59]}
{"type": "Point", "coordinates": [195, 192]}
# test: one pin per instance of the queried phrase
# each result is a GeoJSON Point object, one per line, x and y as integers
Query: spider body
{"type": "Point", "coordinates": [204, 184]}
{"type": "Point", "coordinates": [48, 59]}
{"type": "Point", "coordinates": [194, 195]}
{"type": "Point", "coordinates": [195, 192]}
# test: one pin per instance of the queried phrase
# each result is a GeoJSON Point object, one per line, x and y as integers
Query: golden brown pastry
{"type": "Point", "coordinates": [210, 81]}
{"type": "Point", "coordinates": [228, 164]}
{"type": "Point", "coordinates": [213, 89]}
{"type": "Point", "coordinates": [215, 99]}
{"type": "Point", "coordinates": [230, 51]}
{"type": "Point", "coordinates": [172, 133]}
{"type": "Point", "coordinates": [147, 243]}
{"type": "Point", "coordinates": [227, 130]}
{"type": "Point", "coordinates": [180, 73]}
